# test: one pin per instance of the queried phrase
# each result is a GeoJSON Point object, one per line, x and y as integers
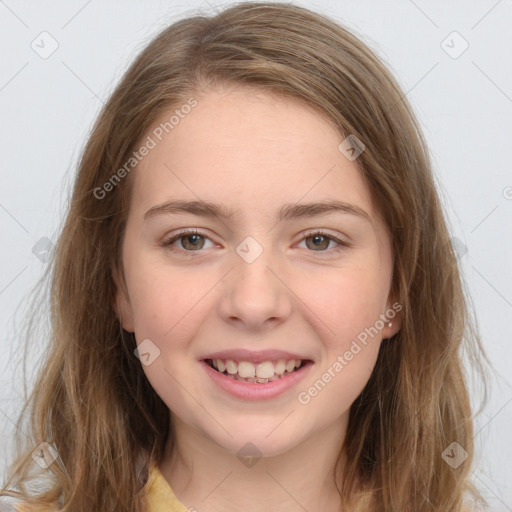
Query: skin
{"type": "Point", "coordinates": [253, 152]}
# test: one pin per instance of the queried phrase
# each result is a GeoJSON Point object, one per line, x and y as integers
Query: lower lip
{"type": "Point", "coordinates": [256, 390]}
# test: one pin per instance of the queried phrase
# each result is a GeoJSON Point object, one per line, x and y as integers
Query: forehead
{"type": "Point", "coordinates": [247, 149]}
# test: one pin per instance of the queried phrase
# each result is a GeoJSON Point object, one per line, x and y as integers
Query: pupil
{"type": "Point", "coordinates": [317, 241]}
{"type": "Point", "coordinates": [192, 241]}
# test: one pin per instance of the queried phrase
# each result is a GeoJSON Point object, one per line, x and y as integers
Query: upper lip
{"type": "Point", "coordinates": [254, 356]}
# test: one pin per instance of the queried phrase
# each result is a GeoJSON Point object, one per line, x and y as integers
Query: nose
{"type": "Point", "coordinates": [256, 296]}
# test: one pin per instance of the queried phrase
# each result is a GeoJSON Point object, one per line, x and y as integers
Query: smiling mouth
{"type": "Point", "coordinates": [262, 373]}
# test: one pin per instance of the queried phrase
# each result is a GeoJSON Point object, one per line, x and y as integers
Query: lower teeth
{"type": "Point", "coordinates": [255, 379]}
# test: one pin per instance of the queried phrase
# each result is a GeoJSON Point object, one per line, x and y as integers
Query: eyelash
{"type": "Point", "coordinates": [167, 242]}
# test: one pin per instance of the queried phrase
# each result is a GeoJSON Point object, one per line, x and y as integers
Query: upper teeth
{"type": "Point", "coordinates": [263, 370]}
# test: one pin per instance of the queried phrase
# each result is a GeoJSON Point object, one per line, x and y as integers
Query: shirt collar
{"type": "Point", "coordinates": [160, 497]}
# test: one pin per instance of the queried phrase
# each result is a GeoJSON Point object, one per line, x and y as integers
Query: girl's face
{"type": "Point", "coordinates": [255, 285]}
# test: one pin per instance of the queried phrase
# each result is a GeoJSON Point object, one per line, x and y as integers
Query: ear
{"type": "Point", "coordinates": [122, 305]}
{"type": "Point", "coordinates": [392, 315]}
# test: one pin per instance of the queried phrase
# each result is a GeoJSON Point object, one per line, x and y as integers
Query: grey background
{"type": "Point", "coordinates": [462, 99]}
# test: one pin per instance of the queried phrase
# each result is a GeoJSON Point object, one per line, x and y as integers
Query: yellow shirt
{"type": "Point", "coordinates": [161, 498]}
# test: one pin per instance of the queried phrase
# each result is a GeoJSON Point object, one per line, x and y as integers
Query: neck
{"type": "Point", "coordinates": [207, 477]}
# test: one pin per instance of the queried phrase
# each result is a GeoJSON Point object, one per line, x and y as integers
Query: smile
{"type": "Point", "coordinates": [271, 384]}
{"type": "Point", "coordinates": [245, 371]}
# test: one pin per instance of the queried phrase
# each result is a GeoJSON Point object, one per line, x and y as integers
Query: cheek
{"type": "Point", "coordinates": [167, 309]}
{"type": "Point", "coordinates": [346, 301]}
{"type": "Point", "coordinates": [162, 297]}
{"type": "Point", "coordinates": [351, 309]}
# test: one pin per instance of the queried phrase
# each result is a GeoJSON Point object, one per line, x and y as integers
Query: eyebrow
{"type": "Point", "coordinates": [286, 212]}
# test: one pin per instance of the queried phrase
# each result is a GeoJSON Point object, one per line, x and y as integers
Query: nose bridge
{"type": "Point", "coordinates": [252, 269]}
{"type": "Point", "coordinates": [255, 293]}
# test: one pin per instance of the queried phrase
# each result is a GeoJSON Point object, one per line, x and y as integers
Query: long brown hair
{"type": "Point", "coordinates": [92, 401]}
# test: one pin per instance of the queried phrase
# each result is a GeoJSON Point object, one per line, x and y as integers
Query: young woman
{"type": "Point", "coordinates": [255, 301]}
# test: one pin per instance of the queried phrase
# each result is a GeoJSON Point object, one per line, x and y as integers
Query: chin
{"type": "Point", "coordinates": [256, 446]}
